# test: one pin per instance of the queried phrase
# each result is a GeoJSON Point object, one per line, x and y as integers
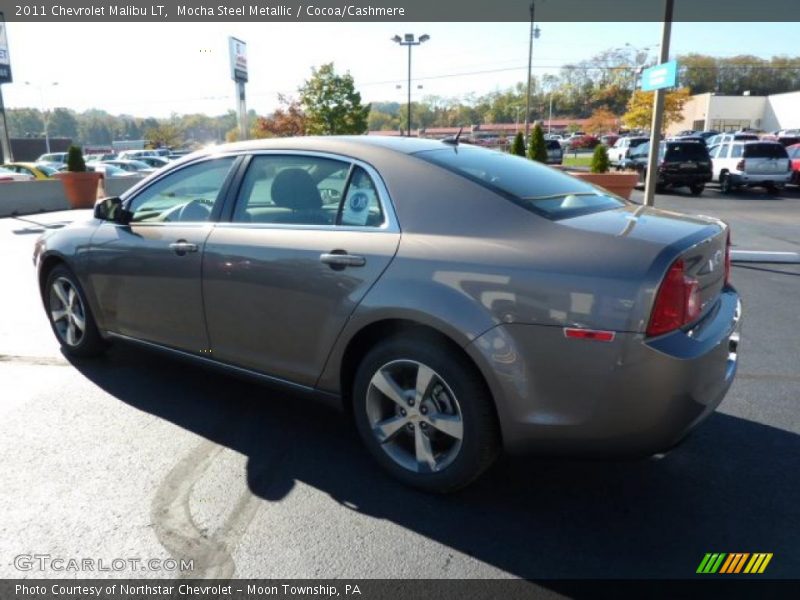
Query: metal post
{"type": "Point", "coordinates": [5, 142]}
{"type": "Point", "coordinates": [550, 115]}
{"type": "Point", "coordinates": [530, 65]}
{"type": "Point", "coordinates": [242, 105]}
{"type": "Point", "coordinates": [658, 112]}
{"type": "Point", "coordinates": [408, 121]}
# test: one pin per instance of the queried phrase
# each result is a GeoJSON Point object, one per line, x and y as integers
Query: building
{"type": "Point", "coordinates": [705, 112]}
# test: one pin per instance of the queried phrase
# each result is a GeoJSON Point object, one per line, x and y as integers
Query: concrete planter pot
{"type": "Point", "coordinates": [80, 188]}
{"type": "Point", "coordinates": [620, 184]}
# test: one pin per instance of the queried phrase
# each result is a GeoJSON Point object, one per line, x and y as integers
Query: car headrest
{"type": "Point", "coordinates": [294, 188]}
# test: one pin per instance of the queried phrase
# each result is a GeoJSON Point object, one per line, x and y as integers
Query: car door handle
{"type": "Point", "coordinates": [181, 247]}
{"type": "Point", "coordinates": [341, 260]}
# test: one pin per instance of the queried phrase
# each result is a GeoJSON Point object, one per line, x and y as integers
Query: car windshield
{"type": "Point", "coordinates": [49, 171]}
{"type": "Point", "coordinates": [764, 151]}
{"type": "Point", "coordinates": [535, 187]}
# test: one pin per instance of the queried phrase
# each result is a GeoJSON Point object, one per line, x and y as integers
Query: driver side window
{"type": "Point", "coordinates": [188, 195]}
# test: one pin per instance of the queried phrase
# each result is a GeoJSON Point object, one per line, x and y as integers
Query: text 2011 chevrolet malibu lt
{"type": "Point", "coordinates": [458, 300]}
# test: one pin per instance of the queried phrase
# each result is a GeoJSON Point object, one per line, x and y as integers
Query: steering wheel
{"type": "Point", "coordinates": [198, 209]}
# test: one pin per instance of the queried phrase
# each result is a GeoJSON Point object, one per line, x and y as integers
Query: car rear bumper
{"type": "Point", "coordinates": [630, 396]}
{"type": "Point", "coordinates": [684, 178]}
{"type": "Point", "coordinates": [745, 179]}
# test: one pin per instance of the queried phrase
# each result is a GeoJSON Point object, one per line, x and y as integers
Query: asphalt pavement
{"type": "Point", "coordinates": [139, 456]}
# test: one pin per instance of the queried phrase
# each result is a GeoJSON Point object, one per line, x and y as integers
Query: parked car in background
{"type": "Point", "coordinates": [134, 154]}
{"type": "Point", "coordinates": [622, 146]}
{"type": "Point", "coordinates": [134, 166]}
{"type": "Point", "coordinates": [154, 161]}
{"type": "Point", "coordinates": [99, 157]}
{"type": "Point", "coordinates": [609, 140]}
{"type": "Point", "coordinates": [9, 175]}
{"type": "Point", "coordinates": [109, 170]}
{"type": "Point", "coordinates": [724, 138]}
{"type": "Point", "coordinates": [53, 158]}
{"type": "Point", "coordinates": [784, 140]}
{"type": "Point", "coordinates": [531, 324]}
{"type": "Point", "coordinates": [581, 142]}
{"type": "Point", "coordinates": [35, 170]}
{"type": "Point", "coordinates": [794, 155]}
{"type": "Point", "coordinates": [553, 136]}
{"type": "Point", "coordinates": [681, 163]}
{"type": "Point", "coordinates": [750, 164]}
{"type": "Point", "coordinates": [555, 155]}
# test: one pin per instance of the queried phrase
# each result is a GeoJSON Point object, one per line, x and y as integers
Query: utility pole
{"type": "Point", "coordinates": [658, 111]}
{"type": "Point", "coordinates": [530, 66]}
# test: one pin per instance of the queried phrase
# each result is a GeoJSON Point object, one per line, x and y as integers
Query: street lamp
{"type": "Point", "coordinates": [45, 114]}
{"type": "Point", "coordinates": [409, 40]}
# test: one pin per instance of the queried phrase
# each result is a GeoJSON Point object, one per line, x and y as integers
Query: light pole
{"type": "Point", "coordinates": [409, 40]}
{"type": "Point", "coordinates": [45, 114]}
{"type": "Point", "coordinates": [534, 34]}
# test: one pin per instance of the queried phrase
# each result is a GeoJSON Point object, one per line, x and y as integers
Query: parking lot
{"type": "Point", "coordinates": [140, 456]}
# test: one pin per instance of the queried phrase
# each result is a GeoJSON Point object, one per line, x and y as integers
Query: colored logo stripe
{"type": "Point", "coordinates": [721, 562]}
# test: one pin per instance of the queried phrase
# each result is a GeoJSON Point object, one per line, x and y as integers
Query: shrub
{"type": "Point", "coordinates": [518, 146]}
{"type": "Point", "coordinates": [75, 162]}
{"type": "Point", "coordinates": [600, 162]}
{"type": "Point", "coordinates": [537, 150]}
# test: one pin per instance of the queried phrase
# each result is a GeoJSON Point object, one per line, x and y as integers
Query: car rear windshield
{"type": "Point", "coordinates": [765, 151]}
{"type": "Point", "coordinates": [686, 151]}
{"type": "Point", "coordinates": [531, 185]}
{"type": "Point", "coordinates": [552, 145]}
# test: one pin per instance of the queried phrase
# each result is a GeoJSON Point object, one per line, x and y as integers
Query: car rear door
{"type": "Point", "coordinates": [146, 275]}
{"type": "Point", "coordinates": [306, 238]}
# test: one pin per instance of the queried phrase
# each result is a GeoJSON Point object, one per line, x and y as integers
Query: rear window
{"type": "Point", "coordinates": [638, 141]}
{"type": "Point", "coordinates": [533, 186]}
{"type": "Point", "coordinates": [764, 151]}
{"type": "Point", "coordinates": [689, 151]}
{"type": "Point", "coordinates": [553, 145]}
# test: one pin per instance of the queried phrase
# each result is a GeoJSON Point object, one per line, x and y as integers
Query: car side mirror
{"type": "Point", "coordinates": [111, 209]}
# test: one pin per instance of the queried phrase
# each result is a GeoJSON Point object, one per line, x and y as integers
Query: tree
{"type": "Point", "coordinates": [518, 146]}
{"type": "Point", "coordinates": [601, 121]}
{"type": "Point", "coordinates": [164, 135]}
{"type": "Point", "coordinates": [287, 121]}
{"type": "Point", "coordinates": [62, 123]}
{"type": "Point", "coordinates": [537, 149]}
{"type": "Point", "coordinates": [331, 104]}
{"type": "Point", "coordinates": [600, 163]}
{"type": "Point", "coordinates": [640, 108]}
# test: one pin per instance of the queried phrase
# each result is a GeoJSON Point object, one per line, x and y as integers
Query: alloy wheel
{"type": "Point", "coordinates": [67, 312]}
{"type": "Point", "coordinates": [415, 416]}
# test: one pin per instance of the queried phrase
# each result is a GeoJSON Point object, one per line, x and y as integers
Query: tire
{"type": "Point", "coordinates": [697, 188]}
{"type": "Point", "coordinates": [413, 449]}
{"type": "Point", "coordinates": [67, 309]}
{"type": "Point", "coordinates": [725, 184]}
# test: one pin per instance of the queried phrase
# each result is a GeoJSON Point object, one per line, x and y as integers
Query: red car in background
{"type": "Point", "coordinates": [794, 156]}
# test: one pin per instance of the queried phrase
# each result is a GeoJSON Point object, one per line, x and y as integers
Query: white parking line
{"type": "Point", "coordinates": [765, 256]}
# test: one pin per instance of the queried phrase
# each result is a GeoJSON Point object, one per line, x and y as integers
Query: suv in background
{"type": "Point", "coordinates": [555, 155]}
{"type": "Point", "coordinates": [619, 151]}
{"type": "Point", "coordinates": [750, 164]}
{"type": "Point", "coordinates": [723, 138]}
{"type": "Point", "coordinates": [680, 163]}
{"type": "Point", "coordinates": [53, 158]}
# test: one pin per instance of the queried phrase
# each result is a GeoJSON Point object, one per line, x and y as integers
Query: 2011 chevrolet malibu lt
{"type": "Point", "coordinates": [457, 300]}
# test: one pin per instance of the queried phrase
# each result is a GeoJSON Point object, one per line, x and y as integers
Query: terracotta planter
{"type": "Point", "coordinates": [80, 188]}
{"type": "Point", "coordinates": [621, 184]}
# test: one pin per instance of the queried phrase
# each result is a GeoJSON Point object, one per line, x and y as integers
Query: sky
{"type": "Point", "coordinates": [156, 69]}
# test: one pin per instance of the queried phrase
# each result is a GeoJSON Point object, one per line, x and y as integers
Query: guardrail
{"type": "Point", "coordinates": [46, 195]}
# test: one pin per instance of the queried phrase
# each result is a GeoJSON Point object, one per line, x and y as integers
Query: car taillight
{"type": "Point", "coordinates": [728, 258]}
{"type": "Point", "coordinates": [677, 302]}
{"type": "Point", "coordinates": [740, 165]}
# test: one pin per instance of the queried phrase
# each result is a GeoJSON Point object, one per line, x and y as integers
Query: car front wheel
{"type": "Point", "coordinates": [70, 316]}
{"type": "Point", "coordinates": [697, 188]}
{"type": "Point", "coordinates": [425, 414]}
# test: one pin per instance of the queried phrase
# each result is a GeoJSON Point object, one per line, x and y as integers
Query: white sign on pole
{"type": "Point", "coordinates": [5, 59]}
{"type": "Point", "coordinates": [238, 55]}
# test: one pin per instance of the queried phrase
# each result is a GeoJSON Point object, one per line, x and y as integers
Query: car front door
{"type": "Point", "coordinates": [146, 275]}
{"type": "Point", "coordinates": [308, 236]}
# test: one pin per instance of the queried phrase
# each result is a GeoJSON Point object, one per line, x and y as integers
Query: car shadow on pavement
{"type": "Point", "coordinates": [731, 487]}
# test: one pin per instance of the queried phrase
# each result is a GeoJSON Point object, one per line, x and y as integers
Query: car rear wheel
{"type": "Point", "coordinates": [425, 414]}
{"type": "Point", "coordinates": [697, 188]}
{"type": "Point", "coordinates": [70, 316]}
{"type": "Point", "coordinates": [725, 184]}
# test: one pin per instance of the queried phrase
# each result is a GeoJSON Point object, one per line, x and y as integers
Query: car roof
{"type": "Point", "coordinates": [355, 143]}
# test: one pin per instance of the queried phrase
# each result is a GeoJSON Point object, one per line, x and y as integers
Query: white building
{"type": "Point", "coordinates": [704, 112]}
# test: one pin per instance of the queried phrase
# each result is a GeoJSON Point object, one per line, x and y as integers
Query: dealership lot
{"type": "Point", "coordinates": [137, 456]}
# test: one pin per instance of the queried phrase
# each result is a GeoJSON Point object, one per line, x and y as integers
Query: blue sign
{"type": "Point", "coordinates": [661, 76]}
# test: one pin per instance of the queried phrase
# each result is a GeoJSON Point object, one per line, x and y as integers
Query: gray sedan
{"type": "Point", "coordinates": [456, 300]}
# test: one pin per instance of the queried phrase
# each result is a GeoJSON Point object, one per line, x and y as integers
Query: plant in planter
{"type": "Point", "coordinates": [621, 184]}
{"type": "Point", "coordinates": [518, 146]}
{"type": "Point", "coordinates": [80, 185]}
{"type": "Point", "coordinates": [537, 149]}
